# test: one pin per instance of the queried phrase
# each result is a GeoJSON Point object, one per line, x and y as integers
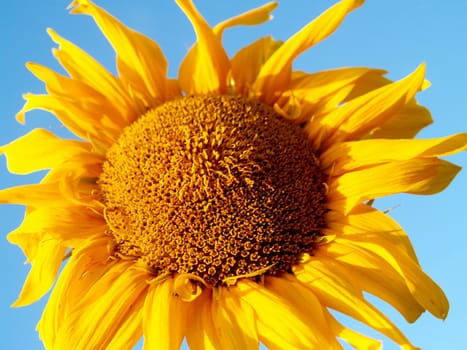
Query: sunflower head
{"type": "Point", "coordinates": [218, 186]}
{"type": "Point", "coordinates": [228, 206]}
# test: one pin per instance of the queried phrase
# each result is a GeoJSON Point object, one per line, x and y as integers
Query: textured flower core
{"type": "Point", "coordinates": [219, 187]}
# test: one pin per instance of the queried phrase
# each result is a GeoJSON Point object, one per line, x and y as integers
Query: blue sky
{"type": "Point", "coordinates": [395, 35]}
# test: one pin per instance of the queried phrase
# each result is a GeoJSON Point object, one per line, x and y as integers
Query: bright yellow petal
{"type": "Point", "coordinates": [72, 183]}
{"type": "Point", "coordinates": [248, 61]}
{"type": "Point", "coordinates": [234, 320]}
{"type": "Point", "coordinates": [205, 69]}
{"type": "Point", "coordinates": [360, 116]}
{"type": "Point", "coordinates": [428, 294]}
{"type": "Point", "coordinates": [353, 155]}
{"type": "Point", "coordinates": [201, 330]}
{"type": "Point", "coordinates": [86, 265]}
{"type": "Point", "coordinates": [416, 176]}
{"type": "Point", "coordinates": [357, 340]}
{"type": "Point", "coordinates": [285, 319]}
{"type": "Point", "coordinates": [100, 315]}
{"type": "Point", "coordinates": [92, 103]}
{"type": "Point", "coordinates": [307, 303]}
{"type": "Point", "coordinates": [32, 195]}
{"type": "Point", "coordinates": [24, 156]}
{"type": "Point", "coordinates": [366, 271]}
{"type": "Point", "coordinates": [319, 92]}
{"type": "Point", "coordinates": [252, 17]}
{"type": "Point", "coordinates": [365, 222]}
{"type": "Point", "coordinates": [336, 292]}
{"type": "Point", "coordinates": [165, 318]}
{"type": "Point", "coordinates": [44, 268]}
{"type": "Point", "coordinates": [130, 330]}
{"type": "Point", "coordinates": [140, 62]}
{"type": "Point", "coordinates": [67, 224]}
{"type": "Point", "coordinates": [405, 124]}
{"type": "Point", "coordinates": [274, 76]}
{"type": "Point", "coordinates": [82, 118]}
{"type": "Point", "coordinates": [89, 78]}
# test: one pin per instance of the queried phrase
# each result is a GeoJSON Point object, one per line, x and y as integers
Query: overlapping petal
{"type": "Point", "coordinates": [337, 293]}
{"type": "Point", "coordinates": [202, 333]}
{"type": "Point", "coordinates": [285, 319]}
{"type": "Point", "coordinates": [360, 116]}
{"type": "Point", "coordinates": [164, 317]}
{"type": "Point", "coordinates": [86, 266]}
{"type": "Point", "coordinates": [318, 93]}
{"type": "Point", "coordinates": [44, 269]}
{"type": "Point", "coordinates": [53, 151]}
{"type": "Point", "coordinates": [415, 176]}
{"type": "Point", "coordinates": [109, 304]}
{"type": "Point", "coordinates": [235, 320]}
{"type": "Point", "coordinates": [205, 70]}
{"type": "Point", "coordinates": [349, 156]}
{"type": "Point", "coordinates": [274, 76]}
{"type": "Point", "coordinates": [89, 78]}
{"type": "Point", "coordinates": [248, 61]}
{"type": "Point", "coordinates": [140, 62]}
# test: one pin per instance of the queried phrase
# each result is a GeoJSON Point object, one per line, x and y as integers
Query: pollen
{"type": "Point", "coordinates": [214, 186]}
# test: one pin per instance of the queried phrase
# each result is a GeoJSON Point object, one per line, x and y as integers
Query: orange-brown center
{"type": "Point", "coordinates": [219, 187]}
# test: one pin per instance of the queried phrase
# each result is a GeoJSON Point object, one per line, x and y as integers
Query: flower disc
{"type": "Point", "coordinates": [214, 186]}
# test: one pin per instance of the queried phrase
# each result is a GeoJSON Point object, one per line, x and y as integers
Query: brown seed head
{"type": "Point", "coordinates": [216, 186]}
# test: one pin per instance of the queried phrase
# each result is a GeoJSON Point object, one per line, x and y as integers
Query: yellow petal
{"type": "Point", "coordinates": [82, 118]}
{"type": "Point", "coordinates": [201, 330]}
{"type": "Point", "coordinates": [235, 321]}
{"type": "Point", "coordinates": [70, 225]}
{"type": "Point", "coordinates": [428, 294]}
{"type": "Point", "coordinates": [366, 271]}
{"type": "Point", "coordinates": [347, 156]}
{"type": "Point", "coordinates": [100, 315]}
{"type": "Point", "coordinates": [404, 124]}
{"type": "Point", "coordinates": [140, 62]}
{"type": "Point", "coordinates": [360, 116]}
{"type": "Point", "coordinates": [90, 102]}
{"type": "Point", "coordinates": [336, 292]}
{"type": "Point", "coordinates": [252, 17]}
{"type": "Point", "coordinates": [274, 76]}
{"type": "Point", "coordinates": [89, 78]}
{"type": "Point", "coordinates": [165, 318]}
{"type": "Point", "coordinates": [86, 265]}
{"type": "Point", "coordinates": [286, 319]}
{"type": "Point", "coordinates": [248, 61]}
{"type": "Point", "coordinates": [416, 176]}
{"type": "Point", "coordinates": [57, 84]}
{"type": "Point", "coordinates": [322, 91]}
{"type": "Point", "coordinates": [364, 223]}
{"type": "Point", "coordinates": [205, 69]}
{"type": "Point", "coordinates": [44, 268]}
{"type": "Point", "coordinates": [72, 183]}
{"type": "Point", "coordinates": [130, 330]}
{"type": "Point", "coordinates": [32, 195]}
{"type": "Point", "coordinates": [24, 156]}
{"type": "Point", "coordinates": [357, 340]}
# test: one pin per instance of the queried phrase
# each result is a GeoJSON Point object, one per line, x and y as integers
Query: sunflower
{"type": "Point", "coordinates": [231, 206]}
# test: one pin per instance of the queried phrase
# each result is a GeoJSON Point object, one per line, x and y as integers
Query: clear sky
{"type": "Point", "coordinates": [395, 35]}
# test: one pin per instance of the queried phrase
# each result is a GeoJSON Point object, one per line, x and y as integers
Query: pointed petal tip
{"type": "Point", "coordinates": [72, 4]}
{"type": "Point", "coordinates": [53, 35]}
{"type": "Point", "coordinates": [75, 4]}
{"type": "Point", "coordinates": [30, 64]}
{"type": "Point", "coordinates": [20, 118]}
